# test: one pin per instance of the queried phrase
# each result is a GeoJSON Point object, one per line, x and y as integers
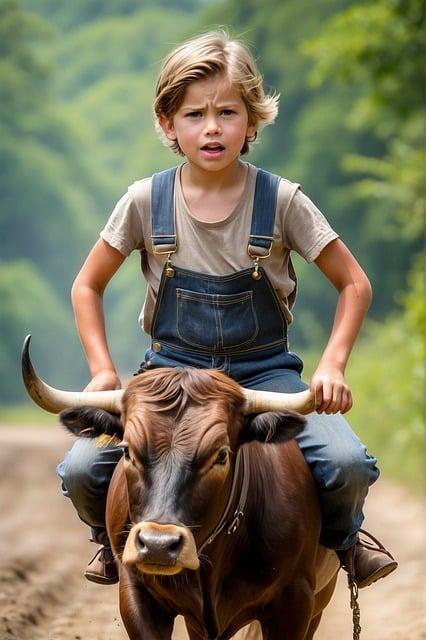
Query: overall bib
{"type": "Point", "coordinates": [234, 323]}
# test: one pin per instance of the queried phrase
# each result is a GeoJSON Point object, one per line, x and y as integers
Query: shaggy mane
{"type": "Point", "coordinates": [169, 388]}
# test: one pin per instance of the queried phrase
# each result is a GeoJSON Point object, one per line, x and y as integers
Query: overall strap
{"type": "Point", "coordinates": [263, 217]}
{"type": "Point", "coordinates": [162, 211]}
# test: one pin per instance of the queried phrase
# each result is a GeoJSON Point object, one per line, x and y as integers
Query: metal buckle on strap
{"type": "Point", "coordinates": [235, 522]}
{"type": "Point", "coordinates": [256, 256]}
{"type": "Point", "coordinates": [167, 250]}
{"type": "Point", "coordinates": [256, 275]}
{"type": "Point", "coordinates": [168, 269]}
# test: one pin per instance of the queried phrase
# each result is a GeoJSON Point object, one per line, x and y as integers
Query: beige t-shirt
{"type": "Point", "coordinates": [219, 248]}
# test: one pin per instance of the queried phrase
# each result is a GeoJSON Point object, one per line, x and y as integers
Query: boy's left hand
{"type": "Point", "coordinates": [332, 394]}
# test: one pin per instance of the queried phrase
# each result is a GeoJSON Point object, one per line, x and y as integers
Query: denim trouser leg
{"type": "Point", "coordinates": [343, 471]}
{"type": "Point", "coordinates": [86, 472]}
{"type": "Point", "coordinates": [339, 462]}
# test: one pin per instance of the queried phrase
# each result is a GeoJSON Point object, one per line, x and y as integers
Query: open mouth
{"type": "Point", "coordinates": [213, 148]}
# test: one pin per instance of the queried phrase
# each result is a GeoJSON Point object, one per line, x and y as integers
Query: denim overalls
{"type": "Point", "coordinates": [234, 323]}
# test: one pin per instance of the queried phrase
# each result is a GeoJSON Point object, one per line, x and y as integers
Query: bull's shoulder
{"type": "Point", "coordinates": [282, 488]}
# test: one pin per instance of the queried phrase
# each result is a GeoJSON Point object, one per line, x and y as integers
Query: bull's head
{"type": "Point", "coordinates": [180, 430]}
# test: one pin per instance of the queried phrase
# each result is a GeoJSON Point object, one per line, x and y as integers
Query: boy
{"type": "Point", "coordinates": [202, 230]}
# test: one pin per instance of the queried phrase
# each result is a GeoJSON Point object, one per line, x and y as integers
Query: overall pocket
{"type": "Point", "coordinates": [216, 322]}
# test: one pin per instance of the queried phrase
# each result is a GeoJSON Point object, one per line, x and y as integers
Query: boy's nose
{"type": "Point", "coordinates": [212, 126]}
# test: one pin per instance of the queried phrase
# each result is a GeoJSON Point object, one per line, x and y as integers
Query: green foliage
{"type": "Point", "coordinates": [379, 46]}
{"type": "Point", "coordinates": [126, 147]}
{"type": "Point", "coordinates": [22, 74]}
{"type": "Point", "coordinates": [387, 375]}
{"type": "Point", "coordinates": [117, 48]}
{"type": "Point", "coordinates": [29, 305]}
{"type": "Point", "coordinates": [46, 185]}
{"type": "Point", "coordinates": [73, 14]}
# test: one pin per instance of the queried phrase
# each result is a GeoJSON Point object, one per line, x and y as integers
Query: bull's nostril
{"type": "Point", "coordinates": [175, 545]}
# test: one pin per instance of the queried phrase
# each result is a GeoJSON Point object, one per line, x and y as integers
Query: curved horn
{"type": "Point", "coordinates": [54, 400]}
{"type": "Point", "coordinates": [256, 401]}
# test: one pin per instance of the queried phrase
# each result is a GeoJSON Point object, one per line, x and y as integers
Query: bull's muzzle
{"type": "Point", "coordinates": [160, 548]}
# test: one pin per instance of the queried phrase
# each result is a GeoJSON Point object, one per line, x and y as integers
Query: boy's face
{"type": "Point", "coordinates": [211, 124]}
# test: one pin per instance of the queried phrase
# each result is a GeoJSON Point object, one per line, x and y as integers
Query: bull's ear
{"type": "Point", "coordinates": [272, 426]}
{"type": "Point", "coordinates": [91, 422]}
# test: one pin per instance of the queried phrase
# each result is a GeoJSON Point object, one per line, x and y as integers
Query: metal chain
{"type": "Point", "coordinates": [356, 614]}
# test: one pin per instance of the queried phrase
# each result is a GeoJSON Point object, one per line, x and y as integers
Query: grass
{"type": "Point", "coordinates": [26, 415]}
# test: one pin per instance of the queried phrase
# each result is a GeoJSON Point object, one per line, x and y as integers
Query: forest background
{"type": "Point", "coordinates": [76, 128]}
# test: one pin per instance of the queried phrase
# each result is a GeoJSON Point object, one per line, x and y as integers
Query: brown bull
{"type": "Point", "coordinates": [212, 514]}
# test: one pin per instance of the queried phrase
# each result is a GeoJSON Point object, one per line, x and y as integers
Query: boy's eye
{"type": "Point", "coordinates": [228, 112]}
{"type": "Point", "coordinates": [193, 114]}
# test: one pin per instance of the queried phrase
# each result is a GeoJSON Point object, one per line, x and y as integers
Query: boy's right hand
{"type": "Point", "coordinates": [105, 380]}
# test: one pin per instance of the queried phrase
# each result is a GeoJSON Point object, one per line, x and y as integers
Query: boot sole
{"type": "Point", "coordinates": [376, 575]}
{"type": "Point", "coordinates": [93, 577]}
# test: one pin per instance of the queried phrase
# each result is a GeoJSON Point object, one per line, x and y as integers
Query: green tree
{"type": "Point", "coordinates": [45, 182]}
{"type": "Point", "coordinates": [70, 15]}
{"type": "Point", "coordinates": [389, 365]}
{"type": "Point", "coordinates": [29, 305]}
{"type": "Point", "coordinates": [380, 47]}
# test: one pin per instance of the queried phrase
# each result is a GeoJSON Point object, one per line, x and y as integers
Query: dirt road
{"type": "Point", "coordinates": [44, 549]}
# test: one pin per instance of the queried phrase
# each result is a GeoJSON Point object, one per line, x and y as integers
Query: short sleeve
{"type": "Point", "coordinates": [305, 228]}
{"type": "Point", "coordinates": [124, 229]}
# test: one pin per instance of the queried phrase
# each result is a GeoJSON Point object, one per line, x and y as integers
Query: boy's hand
{"type": "Point", "coordinates": [106, 380]}
{"type": "Point", "coordinates": [332, 394]}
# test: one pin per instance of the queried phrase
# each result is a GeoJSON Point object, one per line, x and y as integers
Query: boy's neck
{"type": "Point", "coordinates": [213, 197]}
{"type": "Point", "coordinates": [195, 177]}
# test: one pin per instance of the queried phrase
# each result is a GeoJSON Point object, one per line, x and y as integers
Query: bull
{"type": "Point", "coordinates": [212, 512]}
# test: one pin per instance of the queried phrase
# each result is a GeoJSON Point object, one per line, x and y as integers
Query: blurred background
{"type": "Point", "coordinates": [76, 128]}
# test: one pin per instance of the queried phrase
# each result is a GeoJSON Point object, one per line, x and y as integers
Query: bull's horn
{"type": "Point", "coordinates": [257, 401]}
{"type": "Point", "coordinates": [54, 400]}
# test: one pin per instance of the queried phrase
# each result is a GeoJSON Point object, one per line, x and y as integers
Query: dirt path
{"type": "Point", "coordinates": [44, 549]}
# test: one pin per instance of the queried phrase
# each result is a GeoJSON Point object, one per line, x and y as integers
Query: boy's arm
{"type": "Point", "coordinates": [87, 299]}
{"type": "Point", "coordinates": [340, 267]}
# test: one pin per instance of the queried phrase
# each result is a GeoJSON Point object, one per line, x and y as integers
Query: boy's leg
{"type": "Point", "coordinates": [85, 473]}
{"type": "Point", "coordinates": [343, 470]}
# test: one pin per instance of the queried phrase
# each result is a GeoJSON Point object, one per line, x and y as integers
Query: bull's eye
{"type": "Point", "coordinates": [222, 457]}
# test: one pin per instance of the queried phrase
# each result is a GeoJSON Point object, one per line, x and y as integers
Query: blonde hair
{"type": "Point", "coordinates": [205, 56]}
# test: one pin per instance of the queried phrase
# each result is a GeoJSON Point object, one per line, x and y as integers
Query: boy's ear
{"type": "Point", "coordinates": [251, 132]}
{"type": "Point", "coordinates": [167, 126]}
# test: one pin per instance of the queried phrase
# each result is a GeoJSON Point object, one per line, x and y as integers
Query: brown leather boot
{"type": "Point", "coordinates": [366, 562]}
{"type": "Point", "coordinates": [102, 569]}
